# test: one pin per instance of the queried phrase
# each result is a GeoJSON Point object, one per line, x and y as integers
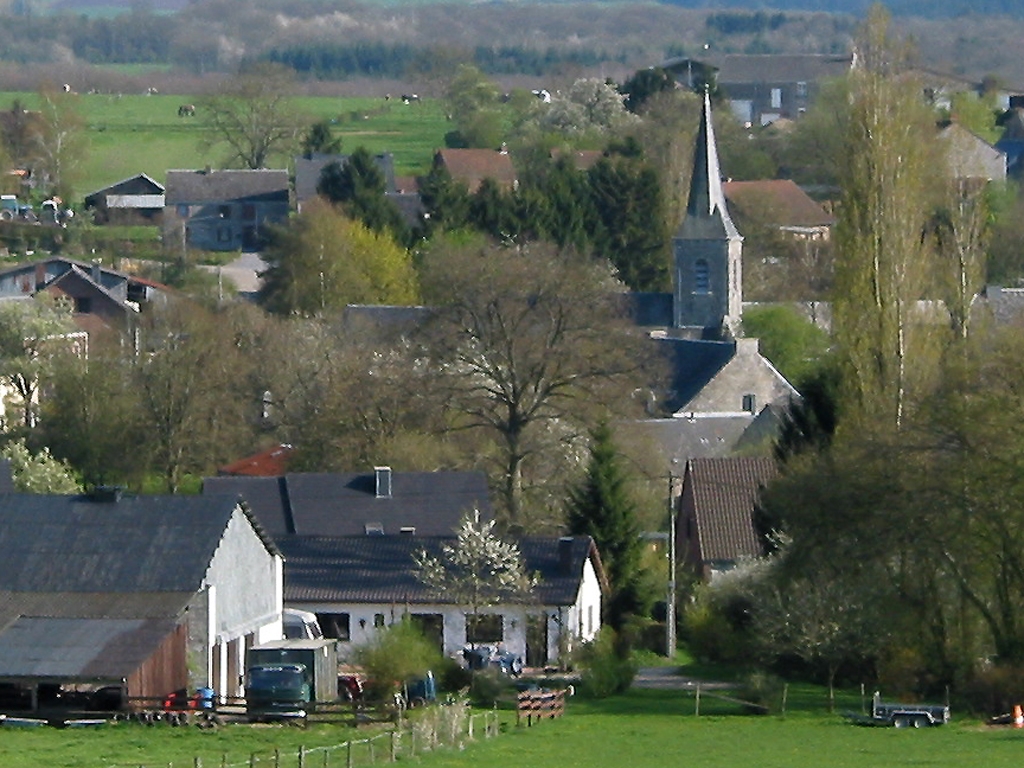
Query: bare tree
{"type": "Point", "coordinates": [255, 116]}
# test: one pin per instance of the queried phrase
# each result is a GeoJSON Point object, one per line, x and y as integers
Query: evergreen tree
{"type": "Point", "coordinates": [600, 507]}
{"type": "Point", "coordinates": [445, 200]}
{"type": "Point", "coordinates": [360, 188]}
{"type": "Point", "coordinates": [320, 139]}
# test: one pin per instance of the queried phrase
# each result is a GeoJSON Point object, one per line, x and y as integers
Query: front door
{"type": "Point", "coordinates": [537, 640]}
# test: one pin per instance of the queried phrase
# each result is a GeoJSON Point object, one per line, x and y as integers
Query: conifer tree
{"type": "Point", "coordinates": [601, 508]}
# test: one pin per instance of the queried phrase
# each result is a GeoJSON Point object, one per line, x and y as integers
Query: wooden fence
{"type": "Point", "coordinates": [445, 725]}
{"type": "Point", "coordinates": [533, 706]}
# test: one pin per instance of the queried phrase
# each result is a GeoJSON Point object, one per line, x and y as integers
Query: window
{"type": "Point", "coordinates": [378, 620]}
{"type": "Point", "coordinates": [374, 529]}
{"type": "Point", "coordinates": [776, 98]}
{"type": "Point", "coordinates": [801, 90]}
{"type": "Point", "coordinates": [750, 403]}
{"type": "Point", "coordinates": [484, 628]}
{"type": "Point", "coordinates": [701, 277]}
{"type": "Point", "coordinates": [224, 211]}
{"type": "Point", "coordinates": [83, 304]}
{"type": "Point", "coordinates": [335, 625]}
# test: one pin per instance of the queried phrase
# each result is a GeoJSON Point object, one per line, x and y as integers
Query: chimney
{"type": "Point", "coordinates": [565, 555]}
{"type": "Point", "coordinates": [382, 482]}
{"type": "Point", "coordinates": [97, 272]}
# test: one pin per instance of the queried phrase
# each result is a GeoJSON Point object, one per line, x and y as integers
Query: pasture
{"type": "Point", "coordinates": [135, 133]}
{"type": "Point", "coordinates": [642, 729]}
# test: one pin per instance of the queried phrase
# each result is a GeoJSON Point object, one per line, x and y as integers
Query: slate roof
{"type": "Point", "coordinates": [139, 184]}
{"type": "Point", "coordinates": [198, 187]}
{"type": "Point", "coordinates": [707, 215]}
{"type": "Point", "coordinates": [724, 492]}
{"type": "Point", "coordinates": [380, 569]}
{"type": "Point", "coordinates": [75, 544]}
{"type": "Point", "coordinates": [780, 68]}
{"type": "Point", "coordinates": [777, 201]}
{"type": "Point", "coordinates": [970, 156]}
{"type": "Point", "coordinates": [309, 168]}
{"type": "Point", "coordinates": [472, 166]}
{"type": "Point", "coordinates": [342, 504]}
{"type": "Point", "coordinates": [692, 364]}
{"type": "Point", "coordinates": [681, 439]}
{"type": "Point", "coordinates": [79, 649]}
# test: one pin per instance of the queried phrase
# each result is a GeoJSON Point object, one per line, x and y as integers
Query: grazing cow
{"type": "Point", "coordinates": [187, 110]}
{"type": "Point", "coordinates": [67, 88]}
{"type": "Point", "coordinates": [409, 97]}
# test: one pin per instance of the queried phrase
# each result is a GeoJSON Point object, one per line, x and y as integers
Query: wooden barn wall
{"type": "Point", "coordinates": [164, 671]}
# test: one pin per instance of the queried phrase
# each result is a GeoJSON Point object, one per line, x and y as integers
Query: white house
{"type": "Point", "coordinates": [359, 584]}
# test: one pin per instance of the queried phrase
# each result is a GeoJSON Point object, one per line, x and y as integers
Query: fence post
{"type": "Point", "coordinates": [252, 760]}
{"type": "Point", "coordinates": [197, 762]}
{"type": "Point", "coordinates": [785, 696]}
{"type": "Point", "coordinates": [394, 745]}
{"type": "Point", "coordinates": [327, 757]}
{"type": "Point", "coordinates": [277, 757]}
{"type": "Point", "coordinates": [696, 706]}
{"type": "Point", "coordinates": [302, 756]}
{"type": "Point", "coordinates": [348, 755]}
{"type": "Point", "coordinates": [370, 743]}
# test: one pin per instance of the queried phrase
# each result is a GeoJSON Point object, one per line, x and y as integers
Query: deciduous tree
{"type": "Point", "coordinates": [254, 115]}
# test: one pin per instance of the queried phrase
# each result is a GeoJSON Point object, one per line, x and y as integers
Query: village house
{"type": "Point", "coordinates": [143, 595]}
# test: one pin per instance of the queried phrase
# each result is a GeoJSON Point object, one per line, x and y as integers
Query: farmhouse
{"type": "Point", "coordinates": [224, 210]}
{"type": "Point", "coordinates": [358, 584]}
{"type": "Point", "coordinates": [146, 594]}
{"type": "Point", "coordinates": [138, 198]}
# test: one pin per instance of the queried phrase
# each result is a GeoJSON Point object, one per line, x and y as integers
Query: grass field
{"type": "Point", "coordinates": [643, 729]}
{"type": "Point", "coordinates": [131, 134]}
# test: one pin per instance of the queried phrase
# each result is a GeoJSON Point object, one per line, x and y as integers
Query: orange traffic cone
{"type": "Point", "coordinates": [1018, 716]}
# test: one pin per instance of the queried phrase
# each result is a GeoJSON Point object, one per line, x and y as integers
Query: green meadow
{"type": "Point", "coordinates": [641, 729]}
{"type": "Point", "coordinates": [136, 133]}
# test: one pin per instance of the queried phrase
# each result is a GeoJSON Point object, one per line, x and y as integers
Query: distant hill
{"type": "Point", "coordinates": [926, 9]}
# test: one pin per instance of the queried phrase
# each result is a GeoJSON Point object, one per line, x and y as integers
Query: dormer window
{"type": "Point", "coordinates": [374, 529]}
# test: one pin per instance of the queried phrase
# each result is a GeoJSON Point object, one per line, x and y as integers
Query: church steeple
{"type": "Point", "coordinates": [708, 297]}
{"type": "Point", "coordinates": [706, 214]}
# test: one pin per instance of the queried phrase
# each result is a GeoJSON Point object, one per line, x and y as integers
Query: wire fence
{"type": "Point", "coordinates": [437, 727]}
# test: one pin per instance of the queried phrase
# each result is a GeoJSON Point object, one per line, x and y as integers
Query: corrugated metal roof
{"type": "Point", "coordinates": [380, 569]}
{"type": "Point", "coordinates": [79, 649]}
{"type": "Point", "coordinates": [77, 544]}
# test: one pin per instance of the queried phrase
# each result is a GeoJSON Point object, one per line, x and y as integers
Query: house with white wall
{"type": "Point", "coordinates": [357, 585]}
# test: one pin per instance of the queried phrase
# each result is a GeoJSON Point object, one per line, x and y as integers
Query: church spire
{"type": "Point", "coordinates": [706, 213]}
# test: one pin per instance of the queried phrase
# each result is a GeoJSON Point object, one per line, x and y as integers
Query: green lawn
{"type": "Point", "coordinates": [134, 133]}
{"type": "Point", "coordinates": [643, 729]}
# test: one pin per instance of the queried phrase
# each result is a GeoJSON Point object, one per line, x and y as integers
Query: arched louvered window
{"type": "Point", "coordinates": [701, 277]}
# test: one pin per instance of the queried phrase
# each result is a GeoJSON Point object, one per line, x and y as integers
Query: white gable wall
{"type": "Point", "coordinates": [242, 602]}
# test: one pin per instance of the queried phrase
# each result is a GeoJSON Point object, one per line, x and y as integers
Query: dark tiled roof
{"type": "Point", "coordinates": [725, 493]}
{"type": "Point", "coordinates": [79, 649]}
{"type": "Point", "coordinates": [323, 504]}
{"type": "Point", "coordinates": [779, 202]}
{"type": "Point", "coordinates": [780, 68]}
{"type": "Point", "coordinates": [136, 544]}
{"type": "Point", "coordinates": [139, 184]}
{"type": "Point", "coordinates": [197, 187]}
{"type": "Point", "coordinates": [381, 569]}
{"type": "Point", "coordinates": [308, 170]}
{"type": "Point", "coordinates": [681, 439]}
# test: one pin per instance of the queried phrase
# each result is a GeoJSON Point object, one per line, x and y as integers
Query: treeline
{"type": "Point", "coordinates": [929, 9]}
{"type": "Point", "coordinates": [379, 59]}
{"type": "Point", "coordinates": [137, 37]}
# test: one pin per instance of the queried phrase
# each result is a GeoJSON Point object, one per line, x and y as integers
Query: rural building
{"type": "Point", "coordinates": [715, 527]}
{"type": "Point", "coordinates": [357, 584]}
{"type": "Point", "coordinates": [216, 210]}
{"type": "Point", "coordinates": [145, 593]}
{"type": "Point", "coordinates": [132, 200]}
{"type": "Point", "coordinates": [472, 166]}
{"type": "Point", "coordinates": [763, 88]}
{"type": "Point", "coordinates": [781, 204]}
{"type": "Point", "coordinates": [381, 502]}
{"type": "Point", "coordinates": [308, 169]}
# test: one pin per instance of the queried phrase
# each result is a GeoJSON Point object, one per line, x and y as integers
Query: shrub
{"type": "Point", "coordinates": [606, 669]}
{"type": "Point", "coordinates": [761, 688]}
{"type": "Point", "coordinates": [452, 677]}
{"type": "Point", "coordinates": [995, 690]}
{"type": "Point", "coordinates": [398, 653]}
{"type": "Point", "coordinates": [487, 686]}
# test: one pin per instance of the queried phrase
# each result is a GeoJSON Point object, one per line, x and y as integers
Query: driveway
{"type": "Point", "coordinates": [669, 678]}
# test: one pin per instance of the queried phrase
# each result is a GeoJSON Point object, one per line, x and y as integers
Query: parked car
{"type": "Point", "coordinates": [493, 657]}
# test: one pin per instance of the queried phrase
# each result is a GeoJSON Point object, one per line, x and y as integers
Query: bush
{"type": "Point", "coordinates": [487, 686]}
{"type": "Point", "coordinates": [398, 653]}
{"type": "Point", "coordinates": [995, 690]}
{"type": "Point", "coordinates": [606, 670]}
{"type": "Point", "coordinates": [762, 688]}
{"type": "Point", "coordinates": [452, 677]}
